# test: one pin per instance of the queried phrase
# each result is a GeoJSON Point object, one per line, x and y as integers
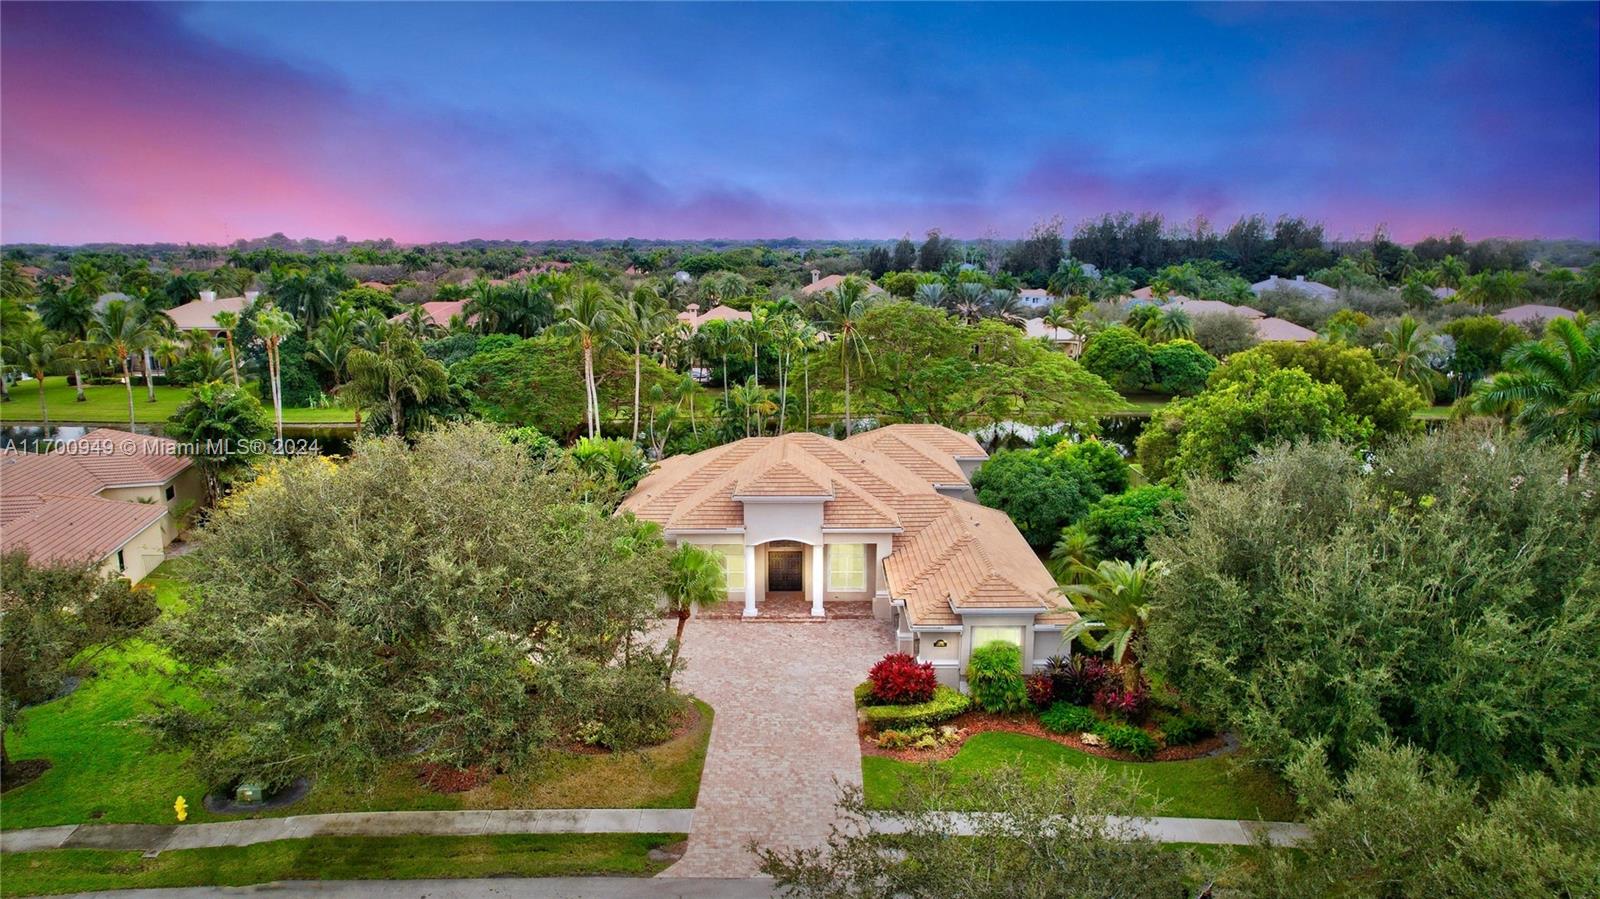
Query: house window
{"type": "Point", "coordinates": [983, 636]}
{"type": "Point", "coordinates": [732, 564]}
{"type": "Point", "coordinates": [172, 493]}
{"type": "Point", "coordinates": [847, 566]}
{"type": "Point", "coordinates": [122, 564]}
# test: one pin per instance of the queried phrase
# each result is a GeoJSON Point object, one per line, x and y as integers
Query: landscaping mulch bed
{"type": "Point", "coordinates": [687, 721]}
{"type": "Point", "coordinates": [449, 779]}
{"type": "Point", "coordinates": [970, 723]}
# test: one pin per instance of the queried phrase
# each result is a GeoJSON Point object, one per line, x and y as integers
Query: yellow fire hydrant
{"type": "Point", "coordinates": [182, 808]}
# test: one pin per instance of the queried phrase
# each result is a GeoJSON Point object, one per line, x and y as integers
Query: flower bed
{"type": "Point", "coordinates": [974, 722]}
{"type": "Point", "coordinates": [945, 704]}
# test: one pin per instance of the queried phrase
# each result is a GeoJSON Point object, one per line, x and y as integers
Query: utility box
{"type": "Point", "coordinates": [247, 792]}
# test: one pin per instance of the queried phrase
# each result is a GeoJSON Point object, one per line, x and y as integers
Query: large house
{"type": "Point", "coordinates": [694, 318]}
{"type": "Point", "coordinates": [883, 522]}
{"type": "Point", "coordinates": [110, 497]}
{"type": "Point", "coordinates": [820, 284]}
{"type": "Point", "coordinates": [1533, 315]}
{"type": "Point", "coordinates": [201, 314]}
{"type": "Point", "coordinates": [1297, 284]}
{"type": "Point", "coordinates": [1064, 339]}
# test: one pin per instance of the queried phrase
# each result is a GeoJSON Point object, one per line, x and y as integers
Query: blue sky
{"type": "Point", "coordinates": [449, 121]}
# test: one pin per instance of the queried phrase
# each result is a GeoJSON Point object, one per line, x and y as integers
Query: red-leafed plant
{"type": "Point", "coordinates": [1117, 698]}
{"type": "Point", "coordinates": [899, 679]}
{"type": "Point", "coordinates": [1041, 690]}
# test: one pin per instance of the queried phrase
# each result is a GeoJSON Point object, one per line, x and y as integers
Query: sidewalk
{"type": "Point", "coordinates": [154, 838]}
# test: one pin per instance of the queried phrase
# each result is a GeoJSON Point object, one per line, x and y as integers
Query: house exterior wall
{"type": "Point", "coordinates": [140, 556]}
{"type": "Point", "coordinates": [950, 660]}
{"type": "Point", "coordinates": [188, 489]}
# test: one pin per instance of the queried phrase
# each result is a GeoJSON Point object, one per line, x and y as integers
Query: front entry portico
{"type": "Point", "coordinates": [790, 566]}
{"type": "Point", "coordinates": [785, 569]}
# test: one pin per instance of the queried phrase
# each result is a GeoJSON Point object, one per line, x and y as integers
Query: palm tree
{"type": "Point", "coordinates": [1114, 601]}
{"type": "Point", "coordinates": [1407, 347]}
{"type": "Point", "coordinates": [755, 403]}
{"type": "Point", "coordinates": [14, 317]}
{"type": "Point", "coordinates": [396, 370]}
{"type": "Point", "coordinates": [639, 320]}
{"type": "Point", "coordinates": [272, 326]}
{"type": "Point", "coordinates": [161, 327]}
{"type": "Point", "coordinates": [933, 293]}
{"type": "Point", "coordinates": [1073, 558]}
{"type": "Point", "coordinates": [35, 349]}
{"type": "Point", "coordinates": [330, 345]}
{"type": "Point", "coordinates": [69, 313]}
{"type": "Point", "coordinates": [1007, 306]}
{"type": "Point", "coordinates": [228, 320]}
{"type": "Point", "coordinates": [717, 339]}
{"type": "Point", "coordinates": [120, 330]}
{"type": "Point", "coordinates": [301, 293]}
{"type": "Point", "coordinates": [683, 391]}
{"type": "Point", "coordinates": [1055, 319]}
{"type": "Point", "coordinates": [1172, 324]}
{"type": "Point", "coordinates": [1550, 387]}
{"type": "Point", "coordinates": [971, 299]}
{"type": "Point", "coordinates": [585, 311]}
{"type": "Point", "coordinates": [840, 312]}
{"type": "Point", "coordinates": [695, 578]}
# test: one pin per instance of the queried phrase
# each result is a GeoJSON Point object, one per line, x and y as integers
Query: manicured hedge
{"type": "Point", "coordinates": [945, 704]}
{"type": "Point", "coordinates": [1066, 718]}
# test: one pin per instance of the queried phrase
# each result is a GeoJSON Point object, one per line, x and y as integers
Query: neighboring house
{"type": "Point", "coordinates": [1143, 293]}
{"type": "Point", "coordinates": [819, 284]}
{"type": "Point", "coordinates": [880, 522]}
{"type": "Point", "coordinates": [110, 497]}
{"type": "Point", "coordinates": [1064, 338]}
{"type": "Point", "coordinates": [1444, 293]}
{"type": "Point", "coordinates": [1210, 307]}
{"type": "Point", "coordinates": [439, 313]}
{"type": "Point", "coordinates": [1279, 329]}
{"type": "Point", "coordinates": [201, 314]}
{"type": "Point", "coordinates": [1299, 285]}
{"type": "Point", "coordinates": [1533, 314]}
{"type": "Point", "coordinates": [694, 318]}
{"type": "Point", "coordinates": [1036, 297]}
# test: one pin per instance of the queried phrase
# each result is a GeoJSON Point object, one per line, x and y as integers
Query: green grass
{"type": "Point", "coordinates": [107, 769]}
{"type": "Point", "coordinates": [337, 858]}
{"type": "Point", "coordinates": [1220, 787]}
{"type": "Point", "coordinates": [108, 404]}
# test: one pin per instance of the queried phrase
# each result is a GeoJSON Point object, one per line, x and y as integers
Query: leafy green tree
{"type": "Point", "coordinates": [1409, 349]}
{"type": "Point", "coordinates": [1075, 833]}
{"type": "Point", "coordinates": [1478, 343]}
{"type": "Point", "coordinates": [1403, 824]}
{"type": "Point", "coordinates": [49, 615]}
{"type": "Point", "coordinates": [839, 313]}
{"type": "Point", "coordinates": [585, 313]}
{"type": "Point", "coordinates": [69, 313]}
{"type": "Point", "coordinates": [1550, 387]}
{"type": "Point", "coordinates": [1370, 392]}
{"type": "Point", "coordinates": [695, 579]}
{"type": "Point", "coordinates": [119, 330]}
{"type": "Point", "coordinates": [222, 426]}
{"type": "Point", "coordinates": [1223, 335]}
{"type": "Point", "coordinates": [1044, 490]}
{"type": "Point", "coordinates": [1215, 432]}
{"type": "Point", "coordinates": [1442, 594]}
{"type": "Point", "coordinates": [1180, 367]}
{"type": "Point", "coordinates": [1120, 523]}
{"type": "Point", "coordinates": [1120, 357]}
{"type": "Point", "coordinates": [530, 630]}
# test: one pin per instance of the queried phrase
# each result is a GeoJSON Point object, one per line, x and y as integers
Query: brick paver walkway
{"type": "Point", "coordinates": [785, 731]}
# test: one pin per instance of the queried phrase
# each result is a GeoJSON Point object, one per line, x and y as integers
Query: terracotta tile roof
{"type": "Point", "coordinates": [831, 282]}
{"type": "Point", "coordinates": [1211, 307]}
{"type": "Point", "coordinates": [944, 550]}
{"type": "Point", "coordinates": [440, 312]}
{"type": "Point", "coordinates": [1532, 312]}
{"type": "Point", "coordinates": [24, 476]}
{"type": "Point", "coordinates": [694, 318]}
{"type": "Point", "coordinates": [201, 313]}
{"type": "Point", "coordinates": [1280, 329]}
{"type": "Point", "coordinates": [78, 528]}
{"type": "Point", "coordinates": [127, 459]}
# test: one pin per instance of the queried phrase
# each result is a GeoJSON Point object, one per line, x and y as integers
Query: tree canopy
{"type": "Point", "coordinates": [1046, 489]}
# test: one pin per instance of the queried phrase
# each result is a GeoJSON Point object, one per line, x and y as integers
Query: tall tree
{"type": "Point", "coordinates": [1407, 347]}
{"type": "Point", "coordinates": [222, 425]}
{"type": "Point", "coordinates": [395, 374]}
{"type": "Point", "coordinates": [585, 312]}
{"type": "Point", "coordinates": [228, 321]}
{"type": "Point", "coordinates": [639, 320]}
{"type": "Point", "coordinates": [35, 349]}
{"type": "Point", "coordinates": [119, 330]}
{"type": "Point", "coordinates": [70, 313]}
{"type": "Point", "coordinates": [272, 326]}
{"type": "Point", "coordinates": [839, 313]}
{"type": "Point", "coordinates": [1550, 387]}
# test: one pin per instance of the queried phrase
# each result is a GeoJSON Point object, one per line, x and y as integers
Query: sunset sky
{"type": "Point", "coordinates": [445, 122]}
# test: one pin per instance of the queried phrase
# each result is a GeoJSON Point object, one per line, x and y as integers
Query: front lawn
{"type": "Point", "coordinates": [337, 858]}
{"type": "Point", "coordinates": [1221, 787]}
{"type": "Point", "coordinates": [107, 769]}
{"type": "Point", "coordinates": [107, 404]}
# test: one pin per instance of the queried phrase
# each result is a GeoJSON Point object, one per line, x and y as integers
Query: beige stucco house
{"type": "Point", "coordinates": [883, 521]}
{"type": "Point", "coordinates": [110, 496]}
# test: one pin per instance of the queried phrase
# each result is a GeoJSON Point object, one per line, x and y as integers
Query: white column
{"type": "Point", "coordinates": [749, 581]}
{"type": "Point", "coordinates": [818, 580]}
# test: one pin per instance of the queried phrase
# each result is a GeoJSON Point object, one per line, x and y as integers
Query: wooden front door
{"type": "Point", "coordinates": [784, 571]}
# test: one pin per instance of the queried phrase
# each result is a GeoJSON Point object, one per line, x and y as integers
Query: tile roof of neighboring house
{"type": "Point", "coordinates": [440, 312]}
{"type": "Point", "coordinates": [1143, 293]}
{"type": "Point", "coordinates": [947, 554]}
{"type": "Point", "coordinates": [25, 477]}
{"type": "Point", "coordinates": [1211, 307]}
{"type": "Point", "coordinates": [200, 313]}
{"type": "Point", "coordinates": [694, 318]}
{"type": "Point", "coordinates": [1298, 284]}
{"type": "Point", "coordinates": [1444, 293]}
{"type": "Point", "coordinates": [1037, 328]}
{"type": "Point", "coordinates": [78, 528]}
{"type": "Point", "coordinates": [1532, 312]}
{"type": "Point", "coordinates": [1278, 329]}
{"type": "Point", "coordinates": [831, 282]}
{"type": "Point", "coordinates": [99, 460]}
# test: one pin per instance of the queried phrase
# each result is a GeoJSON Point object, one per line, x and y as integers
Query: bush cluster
{"type": "Point", "coordinates": [921, 736]}
{"type": "Point", "coordinates": [1066, 718]}
{"type": "Point", "coordinates": [1076, 678]}
{"type": "Point", "coordinates": [1127, 738]}
{"type": "Point", "coordinates": [945, 704]}
{"type": "Point", "coordinates": [899, 679]}
{"type": "Point", "coordinates": [995, 676]}
{"type": "Point", "coordinates": [1181, 729]}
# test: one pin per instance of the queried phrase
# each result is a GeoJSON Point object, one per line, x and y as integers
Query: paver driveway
{"type": "Point", "coordinates": [785, 732]}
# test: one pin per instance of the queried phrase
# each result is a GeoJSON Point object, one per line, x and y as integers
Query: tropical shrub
{"type": "Point", "coordinates": [899, 679]}
{"type": "Point", "coordinates": [1043, 490]}
{"type": "Point", "coordinates": [1370, 392]}
{"type": "Point", "coordinates": [947, 702]}
{"type": "Point", "coordinates": [1041, 690]}
{"type": "Point", "coordinates": [1225, 334]}
{"type": "Point", "coordinates": [994, 674]}
{"type": "Point", "coordinates": [1127, 738]}
{"type": "Point", "coordinates": [1066, 718]}
{"type": "Point", "coordinates": [1122, 700]}
{"type": "Point", "coordinates": [1121, 523]}
{"type": "Point", "coordinates": [1182, 729]}
{"type": "Point", "coordinates": [1075, 678]}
